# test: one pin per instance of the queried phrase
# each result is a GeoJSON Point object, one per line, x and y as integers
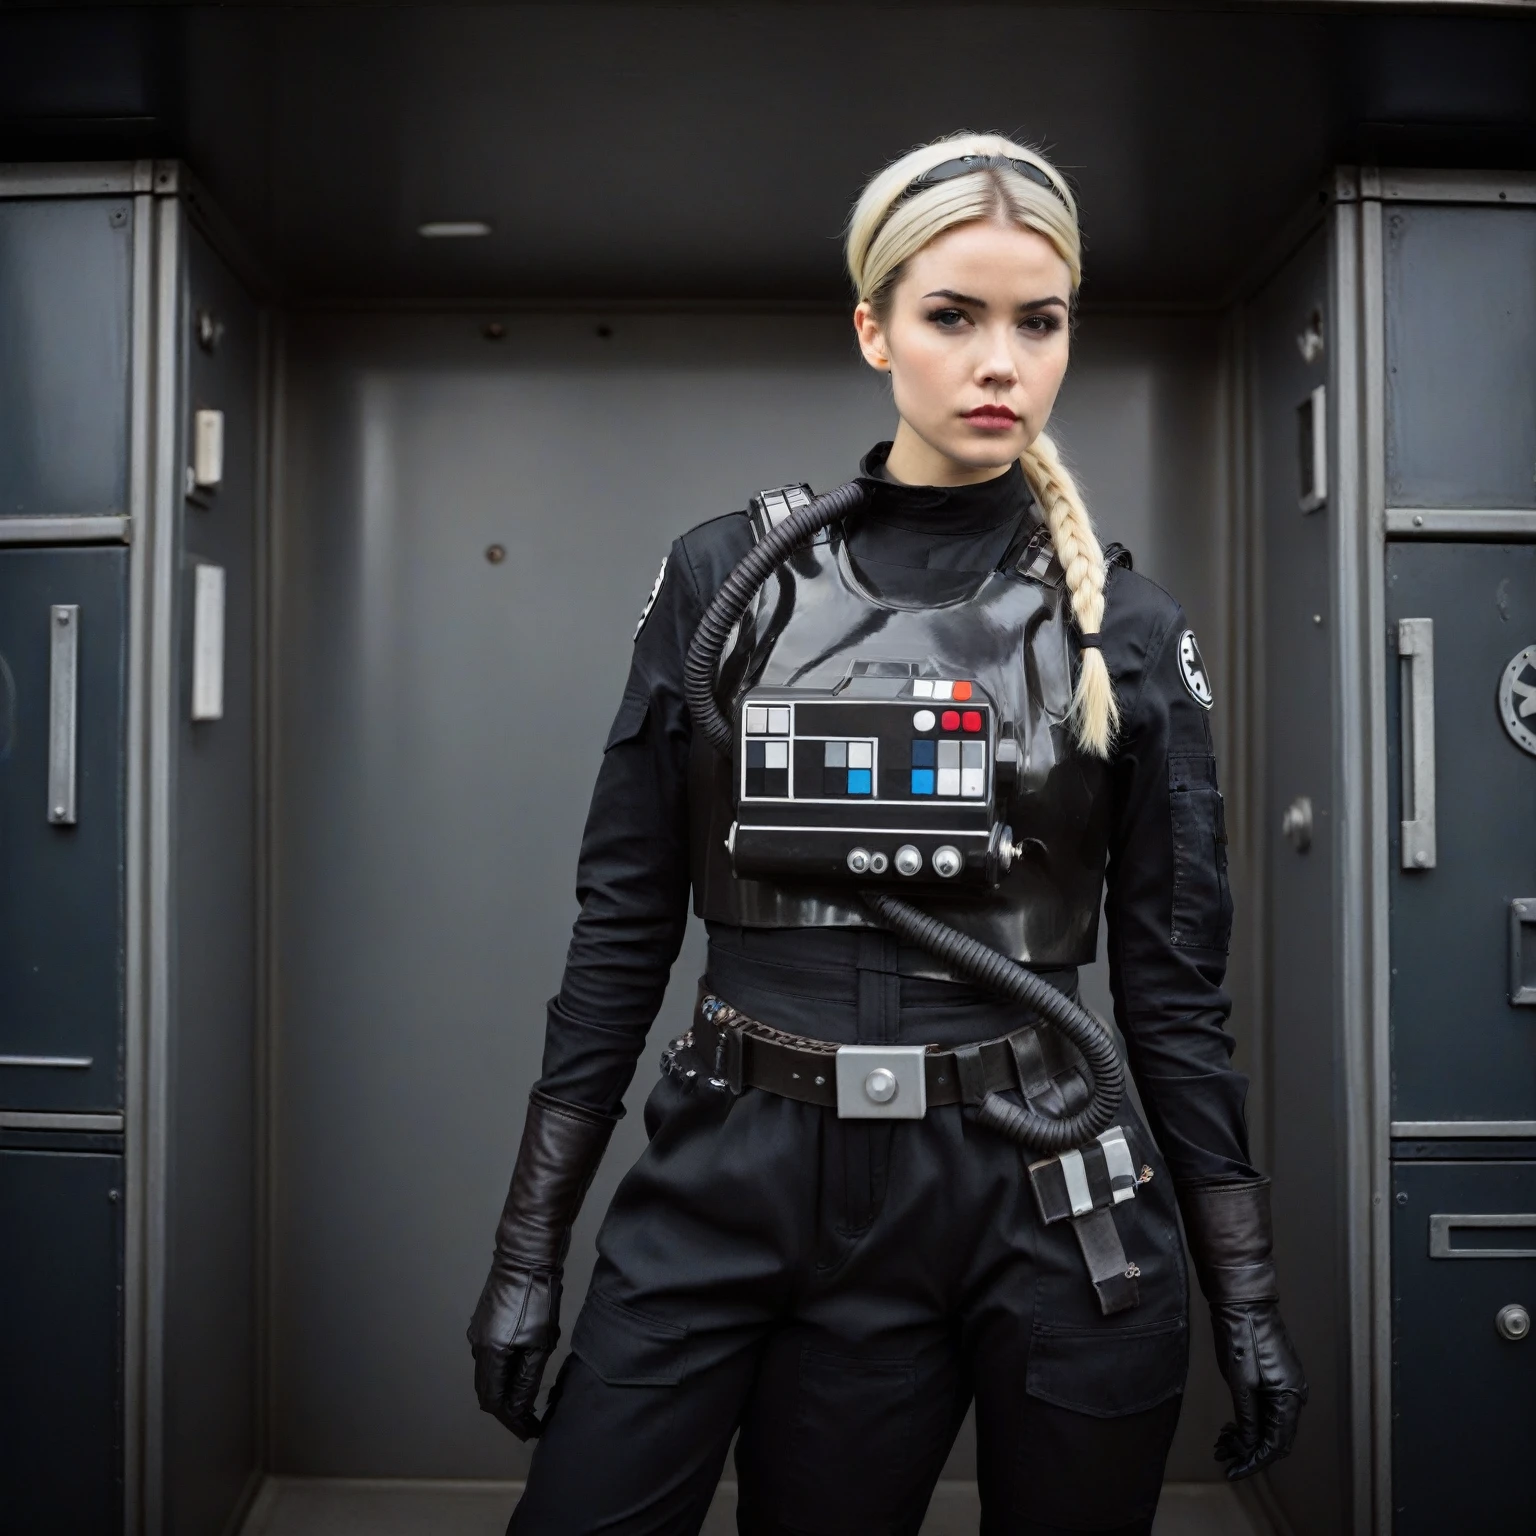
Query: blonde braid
{"type": "Point", "coordinates": [1095, 711]}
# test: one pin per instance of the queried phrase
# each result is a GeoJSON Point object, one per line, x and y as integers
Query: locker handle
{"type": "Point", "coordinates": [63, 701]}
{"type": "Point", "coordinates": [1416, 724]}
{"type": "Point", "coordinates": [1522, 952]}
{"type": "Point", "coordinates": [1441, 1227]}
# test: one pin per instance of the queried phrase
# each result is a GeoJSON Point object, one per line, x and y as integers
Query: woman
{"type": "Point", "coordinates": [837, 1287]}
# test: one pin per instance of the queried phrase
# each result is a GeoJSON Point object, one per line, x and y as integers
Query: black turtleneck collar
{"type": "Point", "coordinates": [934, 543]}
{"type": "Point", "coordinates": [942, 509]}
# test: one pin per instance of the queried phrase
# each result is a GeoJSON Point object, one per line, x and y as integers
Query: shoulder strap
{"type": "Point", "coordinates": [768, 509]}
{"type": "Point", "coordinates": [1037, 561]}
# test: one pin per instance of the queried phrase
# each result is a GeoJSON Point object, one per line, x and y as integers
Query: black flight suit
{"type": "Point", "coordinates": [840, 1290]}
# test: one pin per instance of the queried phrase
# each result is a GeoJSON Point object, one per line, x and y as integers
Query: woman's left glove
{"type": "Point", "coordinates": [1228, 1227]}
{"type": "Point", "coordinates": [517, 1322]}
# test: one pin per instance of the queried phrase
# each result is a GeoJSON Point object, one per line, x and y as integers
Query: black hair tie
{"type": "Point", "coordinates": [1093, 642]}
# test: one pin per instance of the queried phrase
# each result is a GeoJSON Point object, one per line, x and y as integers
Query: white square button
{"type": "Point", "coordinates": [943, 690]}
{"type": "Point", "coordinates": [923, 688]}
{"type": "Point", "coordinates": [757, 720]}
{"type": "Point", "coordinates": [861, 754]}
{"type": "Point", "coordinates": [949, 782]}
{"type": "Point", "coordinates": [971, 782]}
{"type": "Point", "coordinates": [778, 722]}
{"type": "Point", "coordinates": [776, 754]}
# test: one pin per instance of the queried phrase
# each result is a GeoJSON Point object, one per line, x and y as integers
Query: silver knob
{"type": "Point", "coordinates": [908, 860]}
{"type": "Point", "coordinates": [878, 863]}
{"type": "Point", "coordinates": [946, 862]}
{"type": "Point", "coordinates": [880, 1085]}
{"type": "Point", "coordinates": [1513, 1322]}
{"type": "Point", "coordinates": [1296, 824]}
{"type": "Point", "coordinates": [858, 860]}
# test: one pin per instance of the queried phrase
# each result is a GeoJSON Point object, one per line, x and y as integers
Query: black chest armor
{"type": "Point", "coordinates": [815, 624]}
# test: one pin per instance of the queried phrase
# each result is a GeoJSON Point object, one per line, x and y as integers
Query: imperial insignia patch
{"type": "Point", "coordinates": [650, 602]}
{"type": "Point", "coordinates": [1192, 670]}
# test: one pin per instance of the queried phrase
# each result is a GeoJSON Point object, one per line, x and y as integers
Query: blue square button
{"type": "Point", "coordinates": [922, 754]}
{"type": "Point", "coordinates": [859, 781]}
{"type": "Point", "coordinates": [922, 780]}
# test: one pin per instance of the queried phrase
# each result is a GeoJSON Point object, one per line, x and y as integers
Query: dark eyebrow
{"type": "Point", "coordinates": [1051, 301]}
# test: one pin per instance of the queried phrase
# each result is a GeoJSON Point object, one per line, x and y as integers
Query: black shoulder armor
{"type": "Point", "coordinates": [768, 509]}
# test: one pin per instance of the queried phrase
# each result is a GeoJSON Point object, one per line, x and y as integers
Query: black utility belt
{"type": "Point", "coordinates": [861, 1082]}
{"type": "Point", "coordinates": [727, 1051]}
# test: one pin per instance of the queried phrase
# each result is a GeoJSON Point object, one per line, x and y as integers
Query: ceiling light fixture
{"type": "Point", "coordinates": [453, 229]}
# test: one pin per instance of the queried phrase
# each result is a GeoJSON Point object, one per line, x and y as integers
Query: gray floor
{"type": "Point", "coordinates": [345, 1507]}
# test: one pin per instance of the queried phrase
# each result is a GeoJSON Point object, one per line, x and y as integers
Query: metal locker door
{"type": "Point", "coordinates": [1461, 356]}
{"type": "Point", "coordinates": [1463, 1362]}
{"type": "Point", "coordinates": [1290, 336]}
{"type": "Point", "coordinates": [65, 302]}
{"type": "Point", "coordinates": [61, 1268]}
{"type": "Point", "coordinates": [1462, 809]}
{"type": "Point", "coordinates": [62, 665]}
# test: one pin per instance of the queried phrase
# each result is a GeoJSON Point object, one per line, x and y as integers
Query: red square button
{"type": "Point", "coordinates": [950, 720]}
{"type": "Point", "coordinates": [971, 720]}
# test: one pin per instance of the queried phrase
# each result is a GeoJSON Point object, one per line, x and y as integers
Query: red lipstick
{"type": "Point", "coordinates": [994, 418]}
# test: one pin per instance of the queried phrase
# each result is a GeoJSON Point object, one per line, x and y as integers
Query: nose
{"type": "Point", "coordinates": [997, 366]}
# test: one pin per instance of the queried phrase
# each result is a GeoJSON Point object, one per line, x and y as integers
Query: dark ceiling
{"type": "Point", "coordinates": [711, 151]}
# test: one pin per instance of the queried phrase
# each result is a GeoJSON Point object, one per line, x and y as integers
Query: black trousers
{"type": "Point", "coordinates": [839, 1291]}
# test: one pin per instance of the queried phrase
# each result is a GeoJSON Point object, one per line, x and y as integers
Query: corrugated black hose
{"type": "Point", "coordinates": [966, 956]}
{"type": "Point", "coordinates": [999, 973]}
{"type": "Point", "coordinates": [738, 590]}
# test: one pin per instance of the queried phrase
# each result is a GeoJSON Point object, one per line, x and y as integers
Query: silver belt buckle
{"type": "Point", "coordinates": [881, 1082]}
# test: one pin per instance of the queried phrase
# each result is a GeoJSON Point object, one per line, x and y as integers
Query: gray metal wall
{"type": "Point", "coordinates": [439, 720]}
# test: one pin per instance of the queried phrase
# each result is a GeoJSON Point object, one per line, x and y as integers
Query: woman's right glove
{"type": "Point", "coordinates": [1228, 1227]}
{"type": "Point", "coordinates": [517, 1322]}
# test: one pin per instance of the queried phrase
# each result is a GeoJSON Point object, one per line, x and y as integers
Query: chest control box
{"type": "Point", "coordinates": [890, 779]}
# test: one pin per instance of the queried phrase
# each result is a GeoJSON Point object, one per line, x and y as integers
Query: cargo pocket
{"type": "Point", "coordinates": [1202, 898]}
{"type": "Point", "coordinates": [628, 1348]}
{"type": "Point", "coordinates": [1107, 1372]}
{"type": "Point", "coordinates": [851, 1466]}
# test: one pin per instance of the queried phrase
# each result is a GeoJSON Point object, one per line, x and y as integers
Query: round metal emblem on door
{"type": "Point", "coordinates": [1517, 700]}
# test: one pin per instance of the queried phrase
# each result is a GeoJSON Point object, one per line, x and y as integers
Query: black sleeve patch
{"type": "Point", "coordinates": [1202, 897]}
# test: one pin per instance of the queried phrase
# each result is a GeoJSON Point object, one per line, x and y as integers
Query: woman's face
{"type": "Point", "coordinates": [976, 344]}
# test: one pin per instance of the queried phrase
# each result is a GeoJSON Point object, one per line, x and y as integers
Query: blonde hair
{"type": "Point", "coordinates": [885, 231]}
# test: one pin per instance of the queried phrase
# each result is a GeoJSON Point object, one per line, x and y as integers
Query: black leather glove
{"type": "Point", "coordinates": [1228, 1227]}
{"type": "Point", "coordinates": [517, 1322]}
